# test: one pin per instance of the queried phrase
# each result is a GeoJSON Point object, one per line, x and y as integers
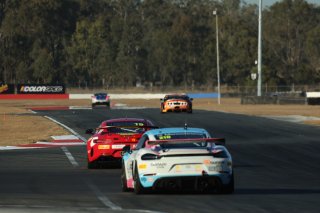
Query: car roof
{"type": "Point", "coordinates": [171, 130]}
{"type": "Point", "coordinates": [100, 93]}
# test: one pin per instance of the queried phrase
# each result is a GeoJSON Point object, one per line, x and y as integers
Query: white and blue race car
{"type": "Point", "coordinates": [100, 98]}
{"type": "Point", "coordinates": [172, 159]}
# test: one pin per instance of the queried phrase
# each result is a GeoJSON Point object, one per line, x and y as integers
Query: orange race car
{"type": "Point", "coordinates": [176, 103]}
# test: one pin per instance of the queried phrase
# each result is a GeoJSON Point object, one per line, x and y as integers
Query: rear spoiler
{"type": "Point", "coordinates": [91, 131]}
{"type": "Point", "coordinates": [129, 127]}
{"type": "Point", "coordinates": [216, 141]}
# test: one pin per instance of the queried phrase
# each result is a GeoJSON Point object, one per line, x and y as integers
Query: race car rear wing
{"type": "Point", "coordinates": [92, 131]}
{"type": "Point", "coordinates": [216, 141]}
{"type": "Point", "coordinates": [129, 127]}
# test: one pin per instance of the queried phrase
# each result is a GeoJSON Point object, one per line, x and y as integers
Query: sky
{"type": "Point", "coordinates": [270, 2]}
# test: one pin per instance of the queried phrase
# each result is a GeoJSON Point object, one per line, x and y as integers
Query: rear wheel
{"type": "Point", "coordinates": [92, 165]}
{"type": "Point", "coordinates": [124, 186]}
{"type": "Point", "coordinates": [161, 108]}
{"type": "Point", "coordinates": [93, 105]}
{"type": "Point", "coordinates": [229, 188]}
{"type": "Point", "coordinates": [138, 188]}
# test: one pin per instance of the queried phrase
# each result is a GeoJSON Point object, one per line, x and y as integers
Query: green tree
{"type": "Point", "coordinates": [285, 36]}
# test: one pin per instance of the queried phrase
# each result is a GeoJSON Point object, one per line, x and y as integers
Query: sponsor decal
{"type": "Point", "coordinates": [215, 168]}
{"type": "Point", "coordinates": [104, 147]}
{"type": "Point", "coordinates": [124, 134]}
{"type": "Point", "coordinates": [164, 137]}
{"type": "Point", "coordinates": [142, 166]}
{"type": "Point", "coordinates": [4, 88]}
{"type": "Point", "coordinates": [198, 168]}
{"type": "Point", "coordinates": [41, 89]}
{"type": "Point", "coordinates": [150, 179]}
{"type": "Point", "coordinates": [159, 165]}
{"type": "Point", "coordinates": [118, 146]}
{"type": "Point", "coordinates": [217, 162]}
{"type": "Point", "coordinates": [206, 161]}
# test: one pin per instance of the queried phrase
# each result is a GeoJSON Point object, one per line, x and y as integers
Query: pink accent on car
{"type": "Point", "coordinates": [130, 183]}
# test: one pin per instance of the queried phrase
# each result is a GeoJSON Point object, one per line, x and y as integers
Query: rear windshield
{"type": "Point", "coordinates": [186, 135]}
{"type": "Point", "coordinates": [176, 97]}
{"type": "Point", "coordinates": [126, 127]}
{"type": "Point", "coordinates": [100, 94]}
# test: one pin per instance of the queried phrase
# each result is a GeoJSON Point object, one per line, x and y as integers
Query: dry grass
{"type": "Point", "coordinates": [20, 126]}
{"type": "Point", "coordinates": [24, 129]}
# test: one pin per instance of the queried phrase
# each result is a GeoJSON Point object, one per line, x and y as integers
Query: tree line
{"type": "Point", "coordinates": [121, 43]}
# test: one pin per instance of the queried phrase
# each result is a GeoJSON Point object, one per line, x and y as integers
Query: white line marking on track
{"type": "Point", "coordinates": [68, 128]}
{"type": "Point", "coordinates": [103, 198]}
{"type": "Point", "coordinates": [97, 192]}
{"type": "Point", "coordinates": [70, 157]}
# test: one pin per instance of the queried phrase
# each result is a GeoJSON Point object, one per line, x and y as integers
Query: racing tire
{"type": "Point", "coordinates": [190, 111]}
{"type": "Point", "coordinates": [108, 106]}
{"type": "Point", "coordinates": [161, 109]}
{"type": "Point", "coordinates": [93, 105]}
{"type": "Point", "coordinates": [92, 165]}
{"type": "Point", "coordinates": [138, 188]}
{"type": "Point", "coordinates": [124, 186]}
{"type": "Point", "coordinates": [229, 188]}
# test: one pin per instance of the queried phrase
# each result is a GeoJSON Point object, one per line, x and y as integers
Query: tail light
{"type": "Point", "coordinates": [150, 157]}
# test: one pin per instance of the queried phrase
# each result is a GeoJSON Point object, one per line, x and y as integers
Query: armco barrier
{"type": "Point", "coordinates": [33, 96]}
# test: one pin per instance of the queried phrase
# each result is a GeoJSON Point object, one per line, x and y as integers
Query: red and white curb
{"type": "Point", "coordinates": [113, 106]}
{"type": "Point", "coordinates": [57, 141]}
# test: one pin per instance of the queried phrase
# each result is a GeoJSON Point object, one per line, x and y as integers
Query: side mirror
{"type": "Point", "coordinates": [161, 99]}
{"type": "Point", "coordinates": [191, 99]}
{"type": "Point", "coordinates": [90, 131]}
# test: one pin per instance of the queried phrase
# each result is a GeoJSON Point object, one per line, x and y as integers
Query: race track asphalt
{"type": "Point", "coordinates": [277, 169]}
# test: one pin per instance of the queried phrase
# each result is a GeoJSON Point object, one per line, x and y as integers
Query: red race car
{"type": "Point", "coordinates": [106, 143]}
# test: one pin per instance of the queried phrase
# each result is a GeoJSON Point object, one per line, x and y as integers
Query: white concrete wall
{"type": "Point", "coordinates": [313, 94]}
{"type": "Point", "coordinates": [121, 96]}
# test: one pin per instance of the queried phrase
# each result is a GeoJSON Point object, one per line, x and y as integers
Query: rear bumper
{"type": "Point", "coordinates": [106, 155]}
{"type": "Point", "coordinates": [177, 109]}
{"type": "Point", "coordinates": [108, 158]}
{"type": "Point", "coordinates": [98, 102]}
{"type": "Point", "coordinates": [196, 182]}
